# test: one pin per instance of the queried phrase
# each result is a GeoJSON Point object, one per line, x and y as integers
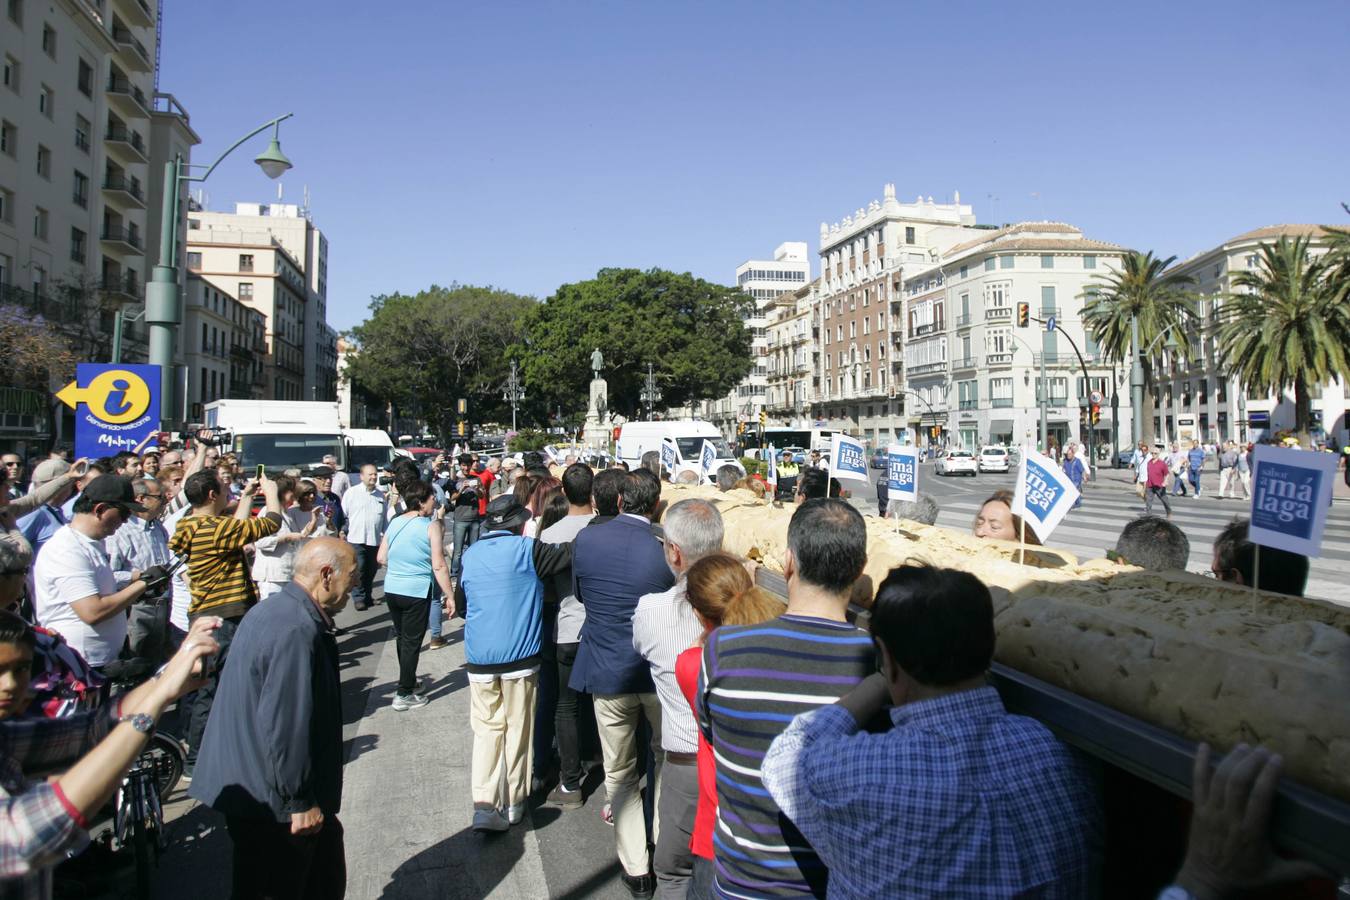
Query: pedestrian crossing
{"type": "Point", "coordinates": [1091, 529]}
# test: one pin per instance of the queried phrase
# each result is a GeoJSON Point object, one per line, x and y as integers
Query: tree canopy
{"type": "Point", "coordinates": [690, 330]}
{"type": "Point", "coordinates": [423, 352]}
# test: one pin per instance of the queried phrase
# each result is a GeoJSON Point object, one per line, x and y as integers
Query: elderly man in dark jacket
{"type": "Point", "coordinates": [271, 760]}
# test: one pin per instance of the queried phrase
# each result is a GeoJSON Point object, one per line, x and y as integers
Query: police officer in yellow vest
{"type": "Point", "coordinates": [787, 476]}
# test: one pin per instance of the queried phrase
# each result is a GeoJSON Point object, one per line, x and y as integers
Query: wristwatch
{"type": "Point", "coordinates": [142, 722]}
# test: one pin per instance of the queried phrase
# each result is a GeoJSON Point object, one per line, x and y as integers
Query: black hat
{"type": "Point", "coordinates": [321, 472]}
{"type": "Point", "coordinates": [506, 513]}
{"type": "Point", "coordinates": [113, 489]}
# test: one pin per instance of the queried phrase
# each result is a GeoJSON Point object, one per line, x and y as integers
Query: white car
{"type": "Point", "coordinates": [957, 462]}
{"type": "Point", "coordinates": [993, 459]}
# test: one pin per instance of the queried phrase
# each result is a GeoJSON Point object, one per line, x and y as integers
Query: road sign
{"type": "Point", "coordinates": [1096, 397]}
{"type": "Point", "coordinates": [1050, 324]}
{"type": "Point", "coordinates": [116, 406]}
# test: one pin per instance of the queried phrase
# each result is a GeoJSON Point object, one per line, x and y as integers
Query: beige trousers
{"type": "Point", "coordinates": [501, 713]}
{"type": "Point", "coordinates": [616, 718]}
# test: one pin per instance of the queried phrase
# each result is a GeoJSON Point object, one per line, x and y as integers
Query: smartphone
{"type": "Point", "coordinates": [259, 476]}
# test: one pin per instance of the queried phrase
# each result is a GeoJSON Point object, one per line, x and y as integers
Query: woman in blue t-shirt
{"type": "Point", "coordinates": [413, 550]}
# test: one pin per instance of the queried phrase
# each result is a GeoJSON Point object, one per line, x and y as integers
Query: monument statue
{"type": "Point", "coordinates": [596, 362]}
{"type": "Point", "coordinates": [596, 432]}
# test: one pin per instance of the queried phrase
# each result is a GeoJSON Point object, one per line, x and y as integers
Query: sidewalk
{"type": "Point", "coordinates": [1209, 481]}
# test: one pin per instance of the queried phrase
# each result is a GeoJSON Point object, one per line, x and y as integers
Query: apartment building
{"type": "Point", "coordinates": [791, 357]}
{"type": "Point", "coordinates": [78, 175]}
{"type": "Point", "coordinates": [864, 259]}
{"type": "Point", "coordinates": [223, 343]}
{"type": "Point", "coordinates": [1197, 397]}
{"type": "Point", "coordinates": [292, 227]}
{"type": "Point", "coordinates": [763, 280]}
{"type": "Point", "coordinates": [260, 273]}
{"type": "Point", "coordinates": [966, 356]}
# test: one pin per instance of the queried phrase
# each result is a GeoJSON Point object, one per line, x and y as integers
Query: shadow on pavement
{"type": "Point", "coordinates": [464, 866]}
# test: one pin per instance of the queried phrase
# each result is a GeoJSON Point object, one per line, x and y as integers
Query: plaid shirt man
{"type": "Point", "coordinates": [39, 827]}
{"type": "Point", "coordinates": [960, 799]}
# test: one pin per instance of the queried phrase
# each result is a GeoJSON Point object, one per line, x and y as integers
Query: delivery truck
{"type": "Point", "coordinates": [279, 434]}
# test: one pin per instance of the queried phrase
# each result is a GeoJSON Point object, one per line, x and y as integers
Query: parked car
{"type": "Point", "coordinates": [993, 459]}
{"type": "Point", "coordinates": [878, 460]}
{"type": "Point", "coordinates": [957, 462]}
{"type": "Point", "coordinates": [1125, 457]}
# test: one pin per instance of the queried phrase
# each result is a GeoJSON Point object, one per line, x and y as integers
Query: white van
{"type": "Point", "coordinates": [685, 435]}
{"type": "Point", "coordinates": [367, 445]}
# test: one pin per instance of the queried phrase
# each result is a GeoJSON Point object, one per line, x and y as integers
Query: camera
{"type": "Point", "coordinates": [386, 480]}
{"type": "Point", "coordinates": [211, 437]}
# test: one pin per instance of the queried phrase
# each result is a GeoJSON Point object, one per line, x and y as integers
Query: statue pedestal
{"type": "Point", "coordinates": [596, 432]}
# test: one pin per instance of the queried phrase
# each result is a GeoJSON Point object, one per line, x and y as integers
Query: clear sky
{"type": "Point", "coordinates": [525, 145]}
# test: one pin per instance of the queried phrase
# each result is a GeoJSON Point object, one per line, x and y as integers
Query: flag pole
{"type": "Point", "coordinates": [1022, 541]}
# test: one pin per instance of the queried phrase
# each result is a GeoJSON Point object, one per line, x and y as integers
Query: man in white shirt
{"type": "Point", "coordinates": [77, 593]}
{"type": "Point", "coordinates": [664, 625]}
{"type": "Point", "coordinates": [340, 480]}
{"type": "Point", "coordinates": [366, 509]}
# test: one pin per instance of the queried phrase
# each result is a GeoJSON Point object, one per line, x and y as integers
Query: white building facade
{"type": "Point", "coordinates": [1198, 398]}
{"type": "Point", "coordinates": [791, 357]}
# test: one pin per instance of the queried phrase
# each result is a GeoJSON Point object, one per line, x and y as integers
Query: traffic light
{"type": "Point", "coordinates": [740, 428]}
{"type": "Point", "coordinates": [1023, 315]}
{"type": "Point", "coordinates": [763, 418]}
{"type": "Point", "coordinates": [1096, 413]}
{"type": "Point", "coordinates": [461, 428]}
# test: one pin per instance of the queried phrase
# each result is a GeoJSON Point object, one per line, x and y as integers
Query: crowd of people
{"type": "Point", "coordinates": [784, 750]}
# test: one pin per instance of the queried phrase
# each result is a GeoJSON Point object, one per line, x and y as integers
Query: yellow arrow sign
{"type": "Point", "coordinates": [116, 396]}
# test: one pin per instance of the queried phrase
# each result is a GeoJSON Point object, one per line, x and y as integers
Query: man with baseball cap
{"type": "Point", "coordinates": [40, 524]}
{"type": "Point", "coordinates": [502, 597]}
{"type": "Point", "coordinates": [77, 593]}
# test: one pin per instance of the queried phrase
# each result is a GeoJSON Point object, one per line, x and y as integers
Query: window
{"type": "Point", "coordinates": [49, 40]}
{"type": "Point", "coordinates": [84, 78]}
{"type": "Point", "coordinates": [44, 162]}
{"type": "Point", "coordinates": [1001, 391]}
{"type": "Point", "coordinates": [245, 290]}
{"type": "Point", "coordinates": [997, 341]}
{"type": "Point", "coordinates": [867, 327]}
{"type": "Point", "coordinates": [852, 330]}
{"type": "Point", "coordinates": [81, 196]}
{"type": "Point", "coordinates": [82, 128]}
{"type": "Point", "coordinates": [1089, 261]}
{"type": "Point", "coordinates": [1047, 299]}
{"type": "Point", "coordinates": [9, 138]}
{"type": "Point", "coordinates": [40, 223]}
{"type": "Point", "coordinates": [968, 394]}
{"type": "Point", "coordinates": [6, 207]}
{"type": "Point", "coordinates": [46, 101]}
{"type": "Point", "coordinates": [245, 262]}
{"type": "Point", "coordinates": [1047, 261]}
{"type": "Point", "coordinates": [996, 295]}
{"type": "Point", "coordinates": [79, 242]}
{"type": "Point", "coordinates": [989, 264]}
{"type": "Point", "coordinates": [965, 308]}
{"type": "Point", "coordinates": [909, 234]}
{"type": "Point", "coordinates": [11, 74]}
{"type": "Point", "coordinates": [15, 8]}
{"type": "Point", "coordinates": [1005, 262]}
{"type": "Point", "coordinates": [194, 260]}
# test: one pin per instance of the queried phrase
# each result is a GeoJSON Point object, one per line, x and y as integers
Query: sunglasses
{"type": "Point", "coordinates": [13, 572]}
{"type": "Point", "coordinates": [307, 494]}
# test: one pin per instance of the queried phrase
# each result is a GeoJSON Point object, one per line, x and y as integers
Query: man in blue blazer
{"type": "Point", "coordinates": [613, 564]}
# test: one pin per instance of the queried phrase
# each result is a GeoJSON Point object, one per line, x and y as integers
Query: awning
{"type": "Point", "coordinates": [1000, 426]}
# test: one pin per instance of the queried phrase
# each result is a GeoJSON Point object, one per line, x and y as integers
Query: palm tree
{"type": "Point", "coordinates": [1147, 289]}
{"type": "Point", "coordinates": [1281, 326]}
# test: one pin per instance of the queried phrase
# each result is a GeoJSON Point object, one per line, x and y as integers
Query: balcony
{"type": "Point", "coordinates": [1001, 403]}
{"type": "Point", "coordinates": [963, 321]}
{"type": "Point", "coordinates": [128, 240]}
{"type": "Point", "coordinates": [998, 313]}
{"type": "Point", "coordinates": [126, 145]}
{"type": "Point", "coordinates": [129, 100]}
{"type": "Point", "coordinates": [124, 191]}
{"type": "Point", "coordinates": [998, 359]}
{"type": "Point", "coordinates": [969, 362]}
{"type": "Point", "coordinates": [969, 404]}
{"type": "Point", "coordinates": [132, 51]}
{"type": "Point", "coordinates": [927, 367]}
{"type": "Point", "coordinates": [137, 12]}
{"type": "Point", "coordinates": [126, 286]}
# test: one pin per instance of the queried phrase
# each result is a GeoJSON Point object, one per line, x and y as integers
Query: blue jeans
{"type": "Point", "coordinates": [465, 534]}
{"type": "Point", "coordinates": [434, 612]}
{"type": "Point", "coordinates": [205, 696]}
{"type": "Point", "coordinates": [1195, 481]}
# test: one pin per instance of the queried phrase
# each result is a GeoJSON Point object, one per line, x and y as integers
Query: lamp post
{"type": "Point", "coordinates": [514, 393]}
{"type": "Point", "coordinates": [925, 402]}
{"type": "Point", "coordinates": [650, 394]}
{"type": "Point", "coordinates": [163, 306]}
{"type": "Point", "coordinates": [1137, 373]}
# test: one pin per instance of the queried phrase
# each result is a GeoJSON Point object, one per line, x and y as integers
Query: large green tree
{"type": "Point", "coordinates": [1144, 288]}
{"type": "Point", "coordinates": [423, 352]}
{"type": "Point", "coordinates": [1280, 327]}
{"type": "Point", "coordinates": [690, 330]}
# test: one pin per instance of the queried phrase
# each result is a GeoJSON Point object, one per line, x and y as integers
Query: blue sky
{"type": "Point", "coordinates": [526, 145]}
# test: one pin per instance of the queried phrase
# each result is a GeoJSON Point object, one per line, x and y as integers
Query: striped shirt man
{"type": "Point", "coordinates": [755, 679]}
{"type": "Point", "coordinates": [217, 568]}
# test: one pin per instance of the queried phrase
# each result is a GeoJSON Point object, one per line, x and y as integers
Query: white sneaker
{"type": "Point", "coordinates": [405, 702]}
{"type": "Point", "coordinates": [516, 814]}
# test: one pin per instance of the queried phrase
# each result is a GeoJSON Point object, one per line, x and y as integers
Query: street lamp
{"type": "Point", "coordinates": [163, 306]}
{"type": "Point", "coordinates": [514, 393]}
{"type": "Point", "coordinates": [650, 394]}
{"type": "Point", "coordinates": [1137, 373]}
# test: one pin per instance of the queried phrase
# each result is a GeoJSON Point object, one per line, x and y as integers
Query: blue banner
{"type": "Point", "coordinates": [1291, 493]}
{"type": "Point", "coordinates": [1044, 493]}
{"type": "Point", "coordinates": [668, 458]}
{"type": "Point", "coordinates": [116, 406]}
{"type": "Point", "coordinates": [902, 473]}
{"type": "Point", "coordinates": [848, 459]}
{"type": "Point", "coordinates": [707, 457]}
{"type": "Point", "coordinates": [772, 462]}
